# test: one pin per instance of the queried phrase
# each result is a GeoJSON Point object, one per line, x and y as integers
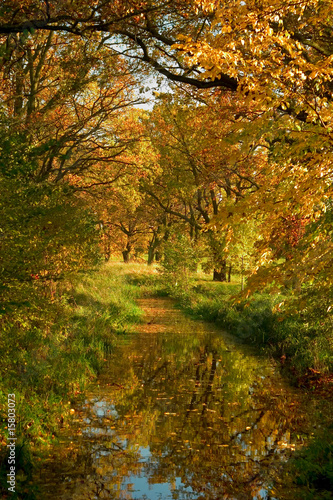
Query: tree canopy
{"type": "Point", "coordinates": [239, 156]}
{"type": "Point", "coordinates": [226, 171]}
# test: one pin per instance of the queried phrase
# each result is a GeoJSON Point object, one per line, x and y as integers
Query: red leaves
{"type": "Point", "coordinates": [287, 235]}
{"type": "Point", "coordinates": [294, 227]}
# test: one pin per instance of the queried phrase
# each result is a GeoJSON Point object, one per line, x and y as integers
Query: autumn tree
{"type": "Point", "coordinates": [202, 173]}
{"type": "Point", "coordinates": [147, 30]}
{"type": "Point", "coordinates": [124, 223]}
{"type": "Point", "coordinates": [61, 116]}
{"type": "Point", "coordinates": [281, 58]}
{"type": "Point", "coordinates": [276, 59]}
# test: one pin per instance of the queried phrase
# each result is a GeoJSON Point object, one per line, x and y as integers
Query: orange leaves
{"type": "Point", "coordinates": [264, 46]}
{"type": "Point", "coordinates": [69, 109]}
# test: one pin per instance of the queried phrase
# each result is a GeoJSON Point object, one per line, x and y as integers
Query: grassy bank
{"type": "Point", "coordinates": [54, 349]}
{"type": "Point", "coordinates": [51, 351]}
{"type": "Point", "coordinates": [303, 342]}
{"type": "Point", "coordinates": [311, 468]}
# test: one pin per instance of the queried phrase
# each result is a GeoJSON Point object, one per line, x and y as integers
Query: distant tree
{"type": "Point", "coordinates": [201, 174]}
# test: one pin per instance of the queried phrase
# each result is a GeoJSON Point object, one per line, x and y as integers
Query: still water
{"type": "Point", "coordinates": [181, 412]}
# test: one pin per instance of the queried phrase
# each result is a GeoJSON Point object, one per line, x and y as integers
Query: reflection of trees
{"type": "Point", "coordinates": [203, 412]}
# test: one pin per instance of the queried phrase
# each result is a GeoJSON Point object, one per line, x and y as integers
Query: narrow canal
{"type": "Point", "coordinates": [181, 412]}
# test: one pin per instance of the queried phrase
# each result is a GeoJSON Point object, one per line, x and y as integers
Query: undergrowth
{"type": "Point", "coordinates": [313, 467]}
{"type": "Point", "coordinates": [309, 473]}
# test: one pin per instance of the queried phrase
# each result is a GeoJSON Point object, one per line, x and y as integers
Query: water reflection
{"type": "Point", "coordinates": [180, 413]}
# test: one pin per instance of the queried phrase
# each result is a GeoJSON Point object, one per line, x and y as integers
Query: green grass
{"type": "Point", "coordinates": [304, 340]}
{"type": "Point", "coordinates": [52, 350]}
{"type": "Point", "coordinates": [308, 475]}
{"type": "Point", "coordinates": [313, 467]}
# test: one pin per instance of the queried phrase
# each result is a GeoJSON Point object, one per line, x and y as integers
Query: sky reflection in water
{"type": "Point", "coordinates": [181, 413]}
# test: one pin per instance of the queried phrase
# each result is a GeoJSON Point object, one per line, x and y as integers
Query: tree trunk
{"type": "Point", "coordinates": [126, 255]}
{"type": "Point", "coordinates": [220, 274]}
{"type": "Point", "coordinates": [229, 274]}
{"type": "Point", "coordinates": [152, 249]}
{"type": "Point", "coordinates": [107, 248]}
{"type": "Point", "coordinates": [127, 252]}
{"type": "Point", "coordinates": [151, 255]}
